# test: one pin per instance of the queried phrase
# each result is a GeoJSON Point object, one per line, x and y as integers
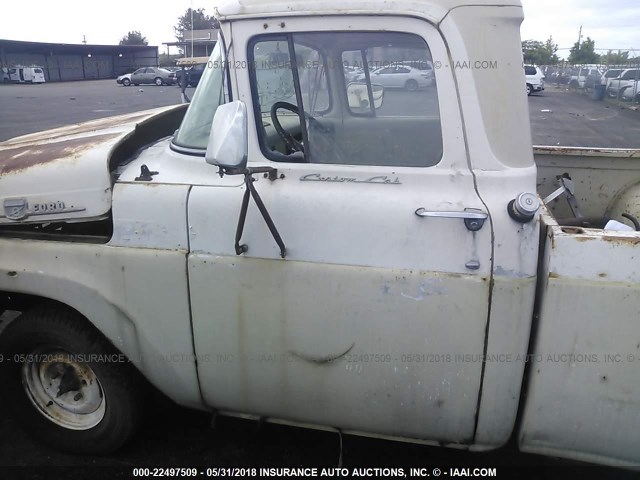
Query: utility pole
{"type": "Point", "coordinates": [191, 28]}
{"type": "Point", "coordinates": [579, 37]}
{"type": "Point", "coordinates": [84, 39]}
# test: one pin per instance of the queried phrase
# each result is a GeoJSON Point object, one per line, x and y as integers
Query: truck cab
{"type": "Point", "coordinates": [313, 249]}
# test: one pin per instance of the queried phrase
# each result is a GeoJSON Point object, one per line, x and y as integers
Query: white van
{"type": "Point", "coordinates": [535, 79]}
{"type": "Point", "coordinates": [20, 74]}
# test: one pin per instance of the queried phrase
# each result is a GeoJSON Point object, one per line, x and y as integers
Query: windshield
{"type": "Point", "coordinates": [196, 125]}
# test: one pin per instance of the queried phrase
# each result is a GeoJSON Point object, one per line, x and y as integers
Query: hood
{"type": "Point", "coordinates": [64, 174]}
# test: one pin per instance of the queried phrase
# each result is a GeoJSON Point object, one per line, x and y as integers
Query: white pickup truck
{"type": "Point", "coordinates": [337, 254]}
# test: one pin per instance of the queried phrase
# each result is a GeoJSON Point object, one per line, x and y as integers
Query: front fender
{"type": "Point", "coordinates": [138, 298]}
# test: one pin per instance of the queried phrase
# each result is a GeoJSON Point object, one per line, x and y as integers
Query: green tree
{"type": "Point", "coordinates": [201, 21]}
{"type": "Point", "coordinates": [167, 60]}
{"type": "Point", "coordinates": [584, 53]}
{"type": "Point", "coordinates": [530, 51]}
{"type": "Point", "coordinates": [620, 58]}
{"type": "Point", "coordinates": [539, 53]}
{"type": "Point", "coordinates": [134, 37]}
{"type": "Point", "coordinates": [551, 49]}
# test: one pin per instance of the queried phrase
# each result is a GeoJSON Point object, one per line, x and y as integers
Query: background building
{"type": "Point", "coordinates": [203, 42]}
{"type": "Point", "coordinates": [62, 61]}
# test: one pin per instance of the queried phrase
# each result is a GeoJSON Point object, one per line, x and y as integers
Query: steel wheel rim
{"type": "Point", "coordinates": [64, 390]}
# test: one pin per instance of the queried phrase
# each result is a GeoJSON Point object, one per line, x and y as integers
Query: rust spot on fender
{"type": "Point", "coordinates": [27, 156]}
{"type": "Point", "coordinates": [586, 151]}
{"type": "Point", "coordinates": [622, 240]}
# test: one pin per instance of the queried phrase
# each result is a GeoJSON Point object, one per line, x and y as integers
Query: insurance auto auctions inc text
{"type": "Point", "coordinates": [378, 472]}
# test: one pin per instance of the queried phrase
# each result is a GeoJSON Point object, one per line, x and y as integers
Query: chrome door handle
{"type": "Point", "coordinates": [473, 218]}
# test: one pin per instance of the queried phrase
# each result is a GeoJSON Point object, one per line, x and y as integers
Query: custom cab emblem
{"type": "Point", "coordinates": [380, 179]}
{"type": "Point", "coordinates": [16, 208]}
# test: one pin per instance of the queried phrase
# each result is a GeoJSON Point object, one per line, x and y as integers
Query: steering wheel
{"type": "Point", "coordinates": [288, 139]}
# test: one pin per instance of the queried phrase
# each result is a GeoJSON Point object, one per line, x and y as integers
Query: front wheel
{"type": "Point", "coordinates": [529, 90]}
{"type": "Point", "coordinates": [158, 81]}
{"type": "Point", "coordinates": [411, 85]}
{"type": "Point", "coordinates": [126, 82]}
{"type": "Point", "coordinates": [66, 384]}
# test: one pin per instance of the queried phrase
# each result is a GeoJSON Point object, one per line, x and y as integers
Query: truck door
{"type": "Point", "coordinates": [385, 282]}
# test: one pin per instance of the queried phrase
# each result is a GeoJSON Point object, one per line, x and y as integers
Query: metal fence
{"type": "Point", "coordinates": [616, 83]}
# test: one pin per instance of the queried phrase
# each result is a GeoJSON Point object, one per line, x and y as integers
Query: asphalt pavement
{"type": "Point", "coordinates": [564, 117]}
{"type": "Point", "coordinates": [31, 108]}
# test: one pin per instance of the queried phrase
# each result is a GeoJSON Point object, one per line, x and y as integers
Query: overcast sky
{"type": "Point", "coordinates": [611, 23]}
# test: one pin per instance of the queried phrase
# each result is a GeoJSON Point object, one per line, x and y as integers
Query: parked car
{"type": "Point", "coordinates": [535, 79]}
{"type": "Point", "coordinates": [593, 78]}
{"type": "Point", "coordinates": [152, 75]}
{"type": "Point", "coordinates": [583, 77]}
{"type": "Point", "coordinates": [124, 79]}
{"type": "Point", "coordinates": [624, 80]}
{"type": "Point", "coordinates": [195, 67]}
{"type": "Point", "coordinates": [425, 66]}
{"type": "Point", "coordinates": [400, 76]}
{"type": "Point", "coordinates": [561, 76]}
{"type": "Point", "coordinates": [631, 92]}
{"type": "Point", "coordinates": [609, 75]}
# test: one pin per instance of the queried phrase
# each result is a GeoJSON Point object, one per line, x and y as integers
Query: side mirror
{"type": "Point", "coordinates": [228, 139]}
{"type": "Point", "coordinates": [358, 96]}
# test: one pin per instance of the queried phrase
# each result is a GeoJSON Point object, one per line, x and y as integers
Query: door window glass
{"type": "Point", "coordinates": [350, 98]}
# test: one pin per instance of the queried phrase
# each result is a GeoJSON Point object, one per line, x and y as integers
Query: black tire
{"type": "Point", "coordinates": [126, 82]}
{"type": "Point", "coordinates": [61, 329]}
{"type": "Point", "coordinates": [621, 93]}
{"type": "Point", "coordinates": [529, 89]}
{"type": "Point", "coordinates": [411, 85]}
{"type": "Point", "coordinates": [158, 81]}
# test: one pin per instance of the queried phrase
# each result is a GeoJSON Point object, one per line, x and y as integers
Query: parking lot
{"type": "Point", "coordinates": [558, 116]}
{"type": "Point", "coordinates": [32, 108]}
{"type": "Point", "coordinates": [172, 436]}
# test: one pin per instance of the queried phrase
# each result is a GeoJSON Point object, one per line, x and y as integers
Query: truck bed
{"type": "Point", "coordinates": [583, 399]}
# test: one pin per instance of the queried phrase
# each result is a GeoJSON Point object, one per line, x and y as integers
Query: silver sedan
{"type": "Point", "coordinates": [401, 76]}
{"type": "Point", "coordinates": [153, 75]}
